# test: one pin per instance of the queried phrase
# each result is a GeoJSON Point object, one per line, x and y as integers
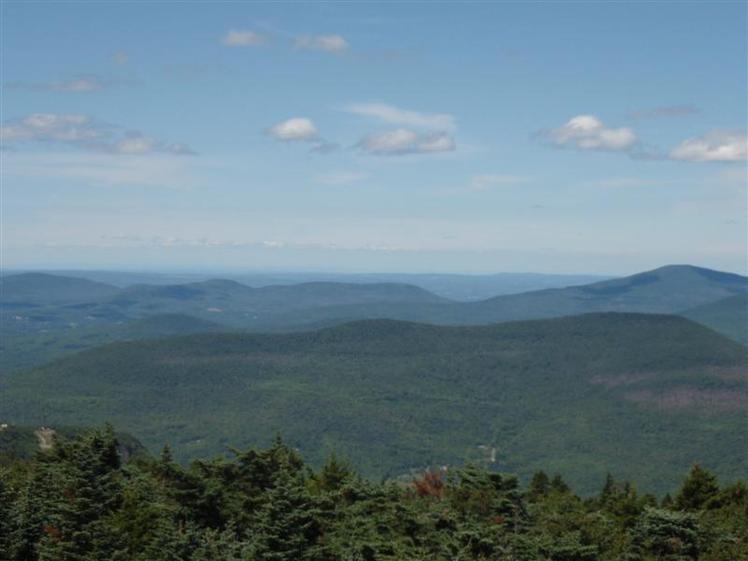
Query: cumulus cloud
{"type": "Point", "coordinates": [301, 129]}
{"type": "Point", "coordinates": [295, 129]}
{"type": "Point", "coordinates": [405, 141]}
{"type": "Point", "coordinates": [664, 112]}
{"type": "Point", "coordinates": [82, 131]}
{"type": "Point", "coordinates": [403, 117]}
{"type": "Point", "coordinates": [587, 132]}
{"type": "Point", "coordinates": [715, 146]}
{"type": "Point", "coordinates": [81, 83]}
{"type": "Point", "coordinates": [243, 38]}
{"type": "Point", "coordinates": [330, 43]}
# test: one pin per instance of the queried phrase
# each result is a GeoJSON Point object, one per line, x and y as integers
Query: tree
{"type": "Point", "coordinates": [699, 488]}
{"type": "Point", "coordinates": [539, 486]}
{"type": "Point", "coordinates": [666, 535]}
{"type": "Point", "coordinates": [287, 526]}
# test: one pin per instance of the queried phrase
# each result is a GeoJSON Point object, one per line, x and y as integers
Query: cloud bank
{"type": "Point", "coordinates": [84, 132]}
{"type": "Point", "coordinates": [404, 141]}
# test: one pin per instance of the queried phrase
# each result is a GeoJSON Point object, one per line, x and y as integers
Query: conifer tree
{"type": "Point", "coordinates": [699, 488]}
{"type": "Point", "coordinates": [287, 527]}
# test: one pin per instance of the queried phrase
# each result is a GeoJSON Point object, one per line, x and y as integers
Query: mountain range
{"type": "Point", "coordinates": [45, 316]}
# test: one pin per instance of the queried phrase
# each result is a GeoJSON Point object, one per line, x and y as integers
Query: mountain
{"type": "Point", "coordinates": [37, 329]}
{"type": "Point", "coordinates": [668, 289]}
{"type": "Point", "coordinates": [728, 316]}
{"type": "Point", "coordinates": [578, 395]}
{"type": "Point", "coordinates": [461, 287]}
{"type": "Point", "coordinates": [665, 290]}
{"type": "Point", "coordinates": [39, 289]}
{"type": "Point", "coordinates": [20, 350]}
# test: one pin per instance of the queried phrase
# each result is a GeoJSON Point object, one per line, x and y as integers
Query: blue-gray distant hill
{"type": "Point", "coordinates": [45, 316]}
{"type": "Point", "coordinates": [728, 316]}
{"type": "Point", "coordinates": [668, 289]}
{"type": "Point", "coordinates": [34, 290]}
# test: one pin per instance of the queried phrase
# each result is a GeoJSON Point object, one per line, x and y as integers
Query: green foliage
{"type": "Point", "coordinates": [698, 491]}
{"type": "Point", "coordinates": [79, 502]}
{"type": "Point", "coordinates": [578, 396]}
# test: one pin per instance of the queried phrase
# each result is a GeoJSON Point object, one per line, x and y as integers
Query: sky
{"type": "Point", "coordinates": [558, 137]}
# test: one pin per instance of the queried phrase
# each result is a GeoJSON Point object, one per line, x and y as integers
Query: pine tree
{"type": "Point", "coordinates": [666, 535]}
{"type": "Point", "coordinates": [287, 527]}
{"type": "Point", "coordinates": [699, 488]}
{"type": "Point", "coordinates": [539, 486]}
{"type": "Point", "coordinates": [89, 490]}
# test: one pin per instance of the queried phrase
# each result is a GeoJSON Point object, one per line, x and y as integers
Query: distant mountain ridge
{"type": "Point", "coordinates": [33, 303]}
{"type": "Point", "coordinates": [36, 289]}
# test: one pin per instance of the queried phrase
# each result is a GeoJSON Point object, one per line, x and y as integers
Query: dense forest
{"type": "Point", "coordinates": [580, 396]}
{"type": "Point", "coordinates": [79, 501]}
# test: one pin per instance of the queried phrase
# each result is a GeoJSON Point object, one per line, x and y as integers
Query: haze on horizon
{"type": "Point", "coordinates": [557, 138]}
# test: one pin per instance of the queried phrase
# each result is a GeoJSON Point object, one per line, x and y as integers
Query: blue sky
{"type": "Point", "coordinates": [449, 137]}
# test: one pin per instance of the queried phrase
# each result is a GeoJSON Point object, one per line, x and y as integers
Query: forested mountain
{"type": "Point", "coordinates": [579, 395]}
{"type": "Point", "coordinates": [32, 290]}
{"type": "Point", "coordinates": [80, 500]}
{"type": "Point", "coordinates": [461, 287]}
{"type": "Point", "coordinates": [38, 328]}
{"type": "Point", "coordinates": [728, 316]}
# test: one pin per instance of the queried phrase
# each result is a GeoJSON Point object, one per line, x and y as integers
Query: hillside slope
{"type": "Point", "coordinates": [579, 395]}
{"type": "Point", "coordinates": [39, 289]}
{"type": "Point", "coordinates": [728, 316]}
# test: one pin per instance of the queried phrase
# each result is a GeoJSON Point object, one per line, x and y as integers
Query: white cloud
{"type": "Point", "coordinates": [403, 117]}
{"type": "Point", "coordinates": [82, 131]}
{"type": "Point", "coordinates": [295, 129]}
{"type": "Point", "coordinates": [339, 178]}
{"type": "Point", "coordinates": [329, 43]}
{"type": "Point", "coordinates": [243, 38]}
{"type": "Point", "coordinates": [52, 127]}
{"type": "Point", "coordinates": [715, 146]}
{"type": "Point", "coordinates": [405, 141]}
{"type": "Point", "coordinates": [587, 132]}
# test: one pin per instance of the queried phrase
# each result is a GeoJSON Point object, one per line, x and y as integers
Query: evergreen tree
{"type": "Point", "coordinates": [539, 486]}
{"type": "Point", "coordinates": [287, 527]}
{"type": "Point", "coordinates": [665, 535]}
{"type": "Point", "coordinates": [699, 488]}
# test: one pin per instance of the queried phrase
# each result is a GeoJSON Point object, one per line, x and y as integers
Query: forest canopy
{"type": "Point", "coordinates": [80, 501]}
